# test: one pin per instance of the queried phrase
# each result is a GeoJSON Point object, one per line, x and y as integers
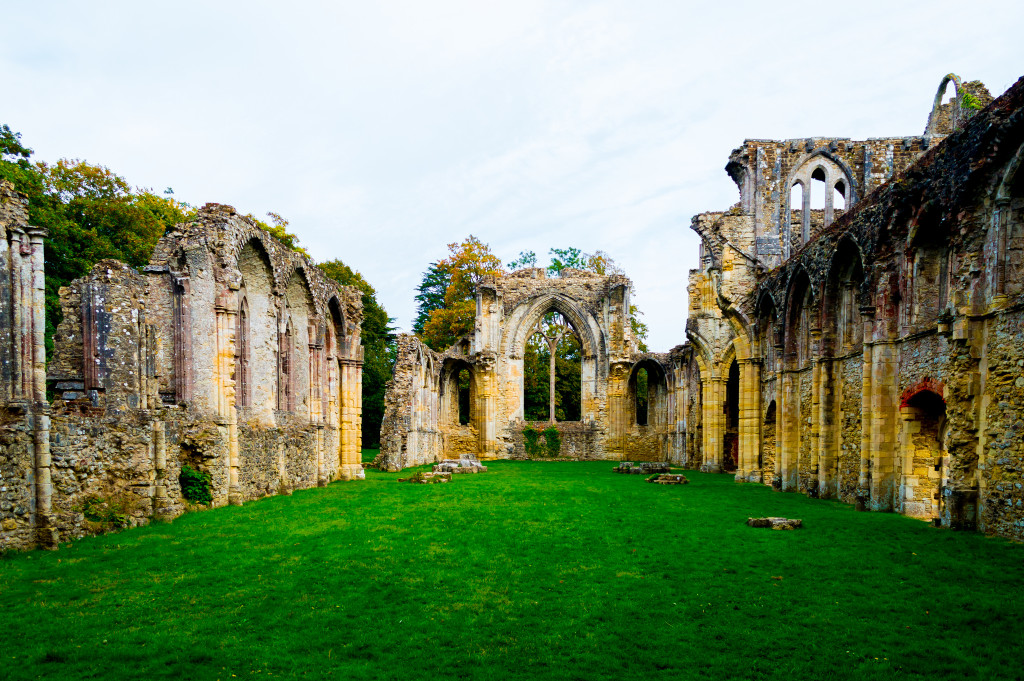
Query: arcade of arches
{"type": "Point", "coordinates": [229, 353]}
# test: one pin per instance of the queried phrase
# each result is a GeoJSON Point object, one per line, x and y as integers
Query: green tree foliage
{"type": "Point", "coordinates": [466, 266]}
{"type": "Point", "coordinates": [536, 367]}
{"type": "Point", "coordinates": [525, 259]}
{"type": "Point", "coordinates": [378, 339]}
{"type": "Point", "coordinates": [642, 396]}
{"type": "Point", "coordinates": [90, 213]}
{"type": "Point", "coordinates": [430, 294]}
{"type": "Point", "coordinates": [278, 228]}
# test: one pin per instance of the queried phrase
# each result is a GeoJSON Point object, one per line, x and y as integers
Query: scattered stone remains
{"type": "Point", "coordinates": [776, 523]}
{"type": "Point", "coordinates": [229, 353]}
{"type": "Point", "coordinates": [422, 478]}
{"type": "Point", "coordinates": [465, 464]}
{"type": "Point", "coordinates": [669, 479]}
{"type": "Point", "coordinates": [642, 467]}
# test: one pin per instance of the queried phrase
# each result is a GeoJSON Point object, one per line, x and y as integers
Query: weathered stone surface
{"type": "Point", "coordinates": [669, 479]}
{"type": "Point", "coordinates": [230, 353]}
{"type": "Point", "coordinates": [642, 467]}
{"type": "Point", "coordinates": [776, 523]}
{"type": "Point", "coordinates": [422, 478]}
{"type": "Point", "coordinates": [464, 464]}
{"type": "Point", "coordinates": [871, 355]}
{"type": "Point", "coordinates": [421, 423]}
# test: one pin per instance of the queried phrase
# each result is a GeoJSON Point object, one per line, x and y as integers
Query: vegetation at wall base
{"type": "Point", "coordinates": [547, 570]}
{"type": "Point", "coordinates": [531, 442]}
{"type": "Point", "coordinates": [552, 442]}
{"type": "Point", "coordinates": [195, 485]}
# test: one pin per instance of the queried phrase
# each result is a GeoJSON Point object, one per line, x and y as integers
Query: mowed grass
{"type": "Point", "coordinates": [531, 570]}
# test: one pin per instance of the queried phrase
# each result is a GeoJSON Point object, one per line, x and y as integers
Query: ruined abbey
{"type": "Point", "coordinates": [228, 353]}
{"type": "Point", "coordinates": [870, 350]}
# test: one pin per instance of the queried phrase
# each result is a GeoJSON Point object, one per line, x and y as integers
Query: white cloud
{"type": "Point", "coordinates": [383, 131]}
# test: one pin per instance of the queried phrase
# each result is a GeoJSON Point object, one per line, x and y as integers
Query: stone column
{"type": "Point", "coordinates": [884, 419]}
{"type": "Point", "coordinates": [749, 420]}
{"type": "Point", "coordinates": [351, 404]}
{"type": "Point", "coordinates": [714, 423]}
{"type": "Point", "coordinates": [867, 314]}
{"type": "Point", "coordinates": [813, 488]}
{"type": "Point", "coordinates": [485, 409]}
{"type": "Point", "coordinates": [161, 505]}
{"type": "Point", "coordinates": [227, 316]}
{"type": "Point", "coordinates": [788, 432]}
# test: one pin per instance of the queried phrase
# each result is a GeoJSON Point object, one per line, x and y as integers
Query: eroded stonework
{"type": "Point", "coordinates": [873, 355]}
{"type": "Point", "coordinates": [229, 353]}
{"type": "Point", "coordinates": [421, 423]}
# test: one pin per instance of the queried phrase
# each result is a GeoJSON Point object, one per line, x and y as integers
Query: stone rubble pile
{"type": "Point", "coordinates": [776, 523]}
{"type": "Point", "coordinates": [642, 467]}
{"type": "Point", "coordinates": [464, 464]}
{"type": "Point", "coordinates": [669, 479]}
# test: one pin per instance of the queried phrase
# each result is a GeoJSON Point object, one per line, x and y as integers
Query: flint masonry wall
{"type": "Point", "coordinates": [229, 353]}
{"type": "Point", "coordinates": [878, 361]}
{"type": "Point", "coordinates": [420, 423]}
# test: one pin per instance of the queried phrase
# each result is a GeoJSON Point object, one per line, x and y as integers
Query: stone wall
{"type": "Point", "coordinates": [420, 424]}
{"type": "Point", "coordinates": [228, 353]}
{"type": "Point", "coordinates": [889, 337]}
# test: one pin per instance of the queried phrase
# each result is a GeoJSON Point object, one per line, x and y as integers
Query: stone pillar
{"type": "Point", "coordinates": [485, 410]}
{"type": "Point", "coordinates": [714, 424]}
{"type": "Point", "coordinates": [788, 432]}
{"type": "Point", "coordinates": [883, 432]}
{"type": "Point", "coordinates": [227, 317]}
{"type": "Point", "coordinates": [779, 417]}
{"type": "Point", "coordinates": [350, 367]}
{"type": "Point", "coordinates": [867, 314]}
{"type": "Point", "coordinates": [813, 487]}
{"type": "Point", "coordinates": [749, 420]}
{"type": "Point", "coordinates": [161, 505]}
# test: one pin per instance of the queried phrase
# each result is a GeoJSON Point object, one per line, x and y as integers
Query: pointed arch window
{"type": "Point", "coordinates": [243, 356]}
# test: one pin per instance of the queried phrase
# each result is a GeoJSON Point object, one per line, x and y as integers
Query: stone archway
{"type": "Point", "coordinates": [596, 307]}
{"type": "Point", "coordinates": [924, 460]}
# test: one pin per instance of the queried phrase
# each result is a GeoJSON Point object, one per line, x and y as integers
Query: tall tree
{"type": "Point", "coordinates": [430, 294]}
{"type": "Point", "coordinates": [378, 339]}
{"type": "Point", "coordinates": [90, 212]}
{"type": "Point", "coordinates": [467, 264]}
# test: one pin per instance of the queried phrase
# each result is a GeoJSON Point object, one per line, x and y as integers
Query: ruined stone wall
{"type": "Point", "coordinates": [229, 353]}
{"type": "Point", "coordinates": [909, 351]}
{"type": "Point", "coordinates": [420, 422]}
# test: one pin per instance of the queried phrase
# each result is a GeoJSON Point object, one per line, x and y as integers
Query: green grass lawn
{"type": "Point", "coordinates": [531, 570]}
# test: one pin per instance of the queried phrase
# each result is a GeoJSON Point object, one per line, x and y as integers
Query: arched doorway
{"type": "Point", "coordinates": [924, 462]}
{"type": "Point", "coordinates": [458, 413]}
{"type": "Point", "coordinates": [731, 407]}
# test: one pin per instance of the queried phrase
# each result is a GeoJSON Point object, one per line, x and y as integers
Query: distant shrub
{"type": "Point", "coordinates": [552, 442]}
{"type": "Point", "coordinates": [195, 485]}
{"type": "Point", "coordinates": [531, 442]}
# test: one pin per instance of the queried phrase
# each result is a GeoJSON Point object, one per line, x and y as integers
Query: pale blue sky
{"type": "Point", "coordinates": [385, 130]}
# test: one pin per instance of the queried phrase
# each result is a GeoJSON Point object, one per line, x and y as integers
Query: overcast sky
{"type": "Point", "coordinates": [385, 130]}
